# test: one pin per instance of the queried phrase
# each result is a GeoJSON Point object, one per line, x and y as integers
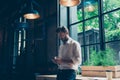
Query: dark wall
{"type": "Point", "coordinates": [40, 46]}
{"type": "Point", "coordinates": [6, 50]}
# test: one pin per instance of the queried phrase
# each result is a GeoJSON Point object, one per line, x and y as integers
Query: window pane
{"type": "Point", "coordinates": [114, 45]}
{"type": "Point", "coordinates": [112, 26]}
{"type": "Point", "coordinates": [92, 31]}
{"type": "Point", "coordinates": [63, 15]}
{"type": "Point", "coordinates": [88, 50]}
{"type": "Point", "coordinates": [75, 31]}
{"type": "Point", "coordinates": [116, 48]}
{"type": "Point", "coordinates": [75, 14]}
{"type": "Point", "coordinates": [109, 5]}
{"type": "Point", "coordinates": [90, 8]}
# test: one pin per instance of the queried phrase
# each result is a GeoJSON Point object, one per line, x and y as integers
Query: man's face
{"type": "Point", "coordinates": [62, 35]}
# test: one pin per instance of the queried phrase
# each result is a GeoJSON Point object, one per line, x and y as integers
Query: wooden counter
{"type": "Point", "coordinates": [79, 77]}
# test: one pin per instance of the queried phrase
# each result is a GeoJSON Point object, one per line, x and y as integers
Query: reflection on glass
{"type": "Point", "coordinates": [112, 26]}
{"type": "Point", "coordinates": [90, 9]}
{"type": "Point", "coordinates": [109, 5]}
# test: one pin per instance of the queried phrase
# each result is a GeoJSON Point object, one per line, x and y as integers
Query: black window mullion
{"type": "Point", "coordinates": [84, 39]}
{"type": "Point", "coordinates": [101, 26]}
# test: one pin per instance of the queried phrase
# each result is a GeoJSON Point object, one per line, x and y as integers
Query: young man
{"type": "Point", "coordinates": [69, 56]}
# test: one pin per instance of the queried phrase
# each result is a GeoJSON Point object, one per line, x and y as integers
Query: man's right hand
{"type": "Point", "coordinates": [57, 60]}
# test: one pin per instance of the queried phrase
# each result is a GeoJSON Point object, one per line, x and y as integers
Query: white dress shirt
{"type": "Point", "coordinates": [71, 50]}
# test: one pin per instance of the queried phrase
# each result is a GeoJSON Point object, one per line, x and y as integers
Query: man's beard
{"type": "Point", "coordinates": [64, 40]}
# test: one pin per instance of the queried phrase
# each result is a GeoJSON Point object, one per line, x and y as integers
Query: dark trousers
{"type": "Point", "coordinates": [67, 74]}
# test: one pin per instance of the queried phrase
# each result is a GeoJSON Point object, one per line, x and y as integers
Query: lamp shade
{"type": "Point", "coordinates": [32, 14]}
{"type": "Point", "coordinates": [69, 3]}
{"type": "Point", "coordinates": [90, 8]}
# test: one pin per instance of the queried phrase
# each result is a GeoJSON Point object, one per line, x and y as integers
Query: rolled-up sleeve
{"type": "Point", "coordinates": [77, 56]}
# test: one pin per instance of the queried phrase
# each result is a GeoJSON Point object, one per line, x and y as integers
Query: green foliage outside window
{"type": "Point", "coordinates": [102, 58]}
{"type": "Point", "coordinates": [113, 35]}
{"type": "Point", "coordinates": [111, 20]}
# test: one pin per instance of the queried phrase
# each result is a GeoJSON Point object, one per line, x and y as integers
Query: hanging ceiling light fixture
{"type": "Point", "coordinates": [31, 13]}
{"type": "Point", "coordinates": [69, 3]}
{"type": "Point", "coordinates": [89, 7]}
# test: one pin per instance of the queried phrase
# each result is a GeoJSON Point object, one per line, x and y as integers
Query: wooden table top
{"type": "Point", "coordinates": [79, 77]}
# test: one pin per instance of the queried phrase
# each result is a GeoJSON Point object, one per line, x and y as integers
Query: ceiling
{"type": "Point", "coordinates": [10, 9]}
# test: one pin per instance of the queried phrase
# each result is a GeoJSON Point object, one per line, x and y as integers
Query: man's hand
{"type": "Point", "coordinates": [57, 60]}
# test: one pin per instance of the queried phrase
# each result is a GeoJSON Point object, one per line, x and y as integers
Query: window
{"type": "Point", "coordinates": [95, 24]}
{"type": "Point", "coordinates": [19, 44]}
{"type": "Point", "coordinates": [109, 5]}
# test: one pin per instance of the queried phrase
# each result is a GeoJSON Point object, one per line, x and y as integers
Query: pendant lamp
{"type": "Point", "coordinates": [89, 6]}
{"type": "Point", "coordinates": [31, 13]}
{"type": "Point", "coordinates": [69, 3]}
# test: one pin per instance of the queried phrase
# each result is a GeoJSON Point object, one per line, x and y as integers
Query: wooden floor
{"type": "Point", "coordinates": [79, 77]}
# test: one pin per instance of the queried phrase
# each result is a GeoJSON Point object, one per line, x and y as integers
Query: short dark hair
{"type": "Point", "coordinates": [62, 29]}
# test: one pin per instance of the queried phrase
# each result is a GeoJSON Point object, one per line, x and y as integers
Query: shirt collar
{"type": "Point", "coordinates": [69, 40]}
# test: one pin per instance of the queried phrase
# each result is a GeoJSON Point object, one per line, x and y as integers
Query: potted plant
{"type": "Point", "coordinates": [99, 63]}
